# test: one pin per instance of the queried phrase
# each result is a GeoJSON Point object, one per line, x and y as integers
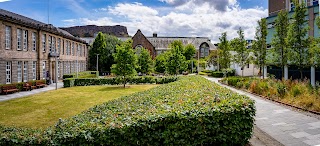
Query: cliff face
{"type": "Point", "coordinates": [90, 30]}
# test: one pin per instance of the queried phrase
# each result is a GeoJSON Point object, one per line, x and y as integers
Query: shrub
{"type": "Point", "coordinates": [191, 111]}
{"type": "Point", "coordinates": [230, 72]}
{"type": "Point", "coordinates": [217, 74]}
{"type": "Point", "coordinates": [85, 74]}
{"type": "Point", "coordinates": [281, 89]}
{"type": "Point", "coordinates": [70, 82]}
{"type": "Point", "coordinates": [196, 112]}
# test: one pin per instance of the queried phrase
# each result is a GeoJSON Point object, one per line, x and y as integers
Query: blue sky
{"type": "Point", "coordinates": [208, 18]}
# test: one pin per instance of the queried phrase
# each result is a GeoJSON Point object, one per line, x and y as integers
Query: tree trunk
{"type": "Point", "coordinates": [124, 82]}
{"type": "Point", "coordinates": [282, 69]}
{"type": "Point", "coordinates": [262, 71]}
{"type": "Point", "coordinates": [301, 77]}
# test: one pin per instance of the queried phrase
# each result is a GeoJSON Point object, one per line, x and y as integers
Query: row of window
{"type": "Point", "coordinates": [22, 43]}
{"type": "Point", "coordinates": [23, 69]}
{"type": "Point", "coordinates": [312, 3]}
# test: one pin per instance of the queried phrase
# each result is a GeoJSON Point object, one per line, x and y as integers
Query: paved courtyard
{"type": "Point", "coordinates": [27, 93]}
{"type": "Point", "coordinates": [288, 127]}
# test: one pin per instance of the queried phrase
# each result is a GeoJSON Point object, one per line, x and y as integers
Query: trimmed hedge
{"type": "Point", "coordinates": [191, 111]}
{"type": "Point", "coordinates": [217, 74]}
{"type": "Point", "coordinates": [85, 74]}
{"type": "Point", "coordinates": [70, 82]}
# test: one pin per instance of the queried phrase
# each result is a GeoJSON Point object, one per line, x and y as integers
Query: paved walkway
{"type": "Point", "coordinates": [27, 93]}
{"type": "Point", "coordinates": [288, 127]}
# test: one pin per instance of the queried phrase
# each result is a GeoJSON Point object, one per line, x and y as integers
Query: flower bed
{"type": "Point", "coordinates": [299, 94]}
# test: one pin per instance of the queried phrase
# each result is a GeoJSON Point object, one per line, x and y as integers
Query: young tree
{"type": "Point", "coordinates": [280, 51]}
{"type": "Point", "coordinates": [240, 46]}
{"type": "Point", "coordinates": [224, 52]}
{"type": "Point", "coordinates": [212, 59]}
{"type": "Point", "coordinates": [314, 52]}
{"type": "Point", "coordinates": [104, 45]}
{"type": "Point", "coordinates": [176, 62]}
{"type": "Point", "coordinates": [126, 61]}
{"type": "Point", "coordinates": [144, 61]}
{"type": "Point", "coordinates": [260, 45]}
{"type": "Point", "coordinates": [189, 51]}
{"type": "Point", "coordinates": [297, 37]}
{"type": "Point", "coordinates": [160, 63]}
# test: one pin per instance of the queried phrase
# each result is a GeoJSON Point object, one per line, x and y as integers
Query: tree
{"type": "Point", "coordinates": [212, 59]}
{"type": "Point", "coordinates": [189, 51]}
{"type": "Point", "coordinates": [144, 61]}
{"type": "Point", "coordinates": [280, 44]}
{"type": "Point", "coordinates": [104, 45]}
{"type": "Point", "coordinates": [297, 37]}
{"type": "Point", "coordinates": [160, 63]}
{"type": "Point", "coordinates": [176, 62]}
{"type": "Point", "coordinates": [240, 46]}
{"type": "Point", "coordinates": [260, 45]}
{"type": "Point", "coordinates": [224, 51]}
{"type": "Point", "coordinates": [314, 53]}
{"type": "Point", "coordinates": [178, 45]}
{"type": "Point", "coordinates": [126, 61]}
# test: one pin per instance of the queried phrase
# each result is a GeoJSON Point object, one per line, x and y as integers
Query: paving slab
{"type": "Point", "coordinates": [28, 93]}
{"type": "Point", "coordinates": [285, 125]}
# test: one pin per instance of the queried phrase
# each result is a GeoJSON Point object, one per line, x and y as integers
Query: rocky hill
{"type": "Point", "coordinates": [90, 30]}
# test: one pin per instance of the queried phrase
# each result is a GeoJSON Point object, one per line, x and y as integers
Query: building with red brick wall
{"type": "Point", "coordinates": [157, 45]}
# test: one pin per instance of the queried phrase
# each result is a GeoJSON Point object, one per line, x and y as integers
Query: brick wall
{"type": "Point", "coordinates": [140, 39]}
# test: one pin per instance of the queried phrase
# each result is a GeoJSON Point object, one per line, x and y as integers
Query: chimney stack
{"type": "Point", "coordinates": [155, 35]}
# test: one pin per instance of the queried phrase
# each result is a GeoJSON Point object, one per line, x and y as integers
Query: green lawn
{"type": "Point", "coordinates": [44, 109]}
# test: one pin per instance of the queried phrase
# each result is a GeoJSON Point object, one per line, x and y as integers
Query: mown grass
{"type": "Point", "coordinates": [44, 109]}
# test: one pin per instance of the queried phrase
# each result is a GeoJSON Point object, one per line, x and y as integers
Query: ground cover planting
{"type": "Point", "coordinates": [44, 109]}
{"type": "Point", "coordinates": [190, 111]}
{"type": "Point", "coordinates": [297, 93]}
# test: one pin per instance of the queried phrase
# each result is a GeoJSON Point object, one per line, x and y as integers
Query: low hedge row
{"type": "Point", "coordinates": [191, 111]}
{"type": "Point", "coordinates": [85, 74]}
{"type": "Point", "coordinates": [70, 82]}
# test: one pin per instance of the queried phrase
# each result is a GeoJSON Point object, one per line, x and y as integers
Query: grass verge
{"type": "Point", "coordinates": [44, 109]}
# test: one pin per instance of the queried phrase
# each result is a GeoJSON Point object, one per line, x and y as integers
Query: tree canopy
{"type": "Point", "coordinates": [104, 45]}
{"type": "Point", "coordinates": [126, 61]}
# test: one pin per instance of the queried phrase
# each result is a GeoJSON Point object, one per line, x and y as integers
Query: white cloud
{"type": "Point", "coordinates": [4, 1]}
{"type": "Point", "coordinates": [188, 19]}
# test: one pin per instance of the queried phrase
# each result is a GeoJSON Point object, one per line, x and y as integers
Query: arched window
{"type": "Point", "coordinates": [204, 50]}
{"type": "Point", "coordinates": [138, 49]}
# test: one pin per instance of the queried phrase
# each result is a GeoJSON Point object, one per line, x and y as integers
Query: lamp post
{"type": "Point", "coordinates": [97, 62]}
{"type": "Point", "coordinates": [56, 68]}
{"type": "Point", "coordinates": [77, 61]}
{"type": "Point", "coordinates": [199, 61]}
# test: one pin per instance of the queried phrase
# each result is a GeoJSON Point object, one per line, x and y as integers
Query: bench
{"type": "Point", "coordinates": [26, 86]}
{"type": "Point", "coordinates": [9, 88]}
{"type": "Point", "coordinates": [32, 86]}
{"type": "Point", "coordinates": [40, 84]}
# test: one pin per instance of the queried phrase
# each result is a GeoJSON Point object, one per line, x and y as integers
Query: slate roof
{"type": "Point", "coordinates": [162, 43]}
{"type": "Point", "coordinates": [28, 22]}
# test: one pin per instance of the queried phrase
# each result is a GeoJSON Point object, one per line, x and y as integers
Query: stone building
{"type": "Point", "coordinates": [157, 45]}
{"type": "Point", "coordinates": [28, 49]}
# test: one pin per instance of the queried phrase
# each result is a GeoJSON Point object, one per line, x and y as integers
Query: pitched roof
{"type": "Point", "coordinates": [28, 22]}
{"type": "Point", "coordinates": [162, 43]}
